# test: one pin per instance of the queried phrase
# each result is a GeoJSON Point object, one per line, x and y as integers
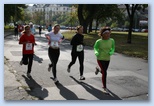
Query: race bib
{"type": "Point", "coordinates": [79, 48]}
{"type": "Point", "coordinates": [28, 46]}
{"type": "Point", "coordinates": [54, 44]}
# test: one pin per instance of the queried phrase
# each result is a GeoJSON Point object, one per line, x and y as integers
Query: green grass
{"type": "Point", "coordinates": [138, 47]}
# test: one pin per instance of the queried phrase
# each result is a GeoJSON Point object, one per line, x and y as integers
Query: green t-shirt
{"type": "Point", "coordinates": [104, 49]}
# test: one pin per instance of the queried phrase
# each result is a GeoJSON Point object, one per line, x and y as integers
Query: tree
{"type": "Point", "coordinates": [131, 8]}
{"type": "Point", "coordinates": [85, 14]}
{"type": "Point", "coordinates": [15, 11]}
{"type": "Point", "coordinates": [38, 17]}
{"type": "Point", "coordinates": [131, 11]}
{"type": "Point", "coordinates": [107, 13]}
{"type": "Point", "coordinates": [99, 12]}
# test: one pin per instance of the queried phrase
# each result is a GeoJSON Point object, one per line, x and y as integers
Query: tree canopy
{"type": "Point", "coordinates": [99, 12]}
{"type": "Point", "coordinates": [13, 12]}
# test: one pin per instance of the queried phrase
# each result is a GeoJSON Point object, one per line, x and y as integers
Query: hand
{"type": "Point", "coordinates": [96, 54]}
{"type": "Point", "coordinates": [59, 41]}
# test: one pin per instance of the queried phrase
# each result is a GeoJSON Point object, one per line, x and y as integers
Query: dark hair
{"type": "Point", "coordinates": [26, 26]}
{"type": "Point", "coordinates": [103, 29]}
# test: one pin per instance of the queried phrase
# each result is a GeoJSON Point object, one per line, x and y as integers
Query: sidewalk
{"type": "Point", "coordinates": [16, 89]}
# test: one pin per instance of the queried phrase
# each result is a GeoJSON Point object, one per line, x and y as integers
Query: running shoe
{"type": "Point", "coordinates": [28, 75]}
{"type": "Point", "coordinates": [97, 70]}
{"type": "Point", "coordinates": [105, 90]}
{"type": "Point", "coordinates": [82, 78]}
{"type": "Point", "coordinates": [55, 80]}
{"type": "Point", "coordinates": [21, 62]}
{"type": "Point", "coordinates": [68, 70]}
{"type": "Point", "coordinates": [49, 67]}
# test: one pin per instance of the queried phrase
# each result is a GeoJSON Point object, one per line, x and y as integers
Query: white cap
{"type": "Point", "coordinates": [30, 23]}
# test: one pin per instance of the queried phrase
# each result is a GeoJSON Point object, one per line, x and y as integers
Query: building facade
{"type": "Point", "coordinates": [49, 10]}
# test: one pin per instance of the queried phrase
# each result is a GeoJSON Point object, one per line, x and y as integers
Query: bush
{"type": "Point", "coordinates": [6, 27]}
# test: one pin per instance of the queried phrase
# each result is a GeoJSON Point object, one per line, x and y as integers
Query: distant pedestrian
{"type": "Point", "coordinates": [32, 29]}
{"type": "Point", "coordinates": [78, 51]}
{"type": "Point", "coordinates": [27, 39]}
{"type": "Point", "coordinates": [49, 28]}
{"type": "Point", "coordinates": [40, 29]}
{"type": "Point", "coordinates": [103, 49]}
{"type": "Point", "coordinates": [55, 38]}
{"type": "Point", "coordinates": [20, 29]}
{"type": "Point", "coordinates": [16, 30]}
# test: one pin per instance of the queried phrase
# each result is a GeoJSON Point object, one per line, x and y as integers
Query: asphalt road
{"type": "Point", "coordinates": [127, 76]}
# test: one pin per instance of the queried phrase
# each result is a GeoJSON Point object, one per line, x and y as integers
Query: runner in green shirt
{"type": "Point", "coordinates": [103, 49]}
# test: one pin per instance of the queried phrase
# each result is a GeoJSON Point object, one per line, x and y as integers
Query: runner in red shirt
{"type": "Point", "coordinates": [27, 39]}
{"type": "Point", "coordinates": [20, 29]}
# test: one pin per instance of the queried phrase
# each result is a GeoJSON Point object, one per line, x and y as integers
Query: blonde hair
{"type": "Point", "coordinates": [56, 25]}
{"type": "Point", "coordinates": [78, 27]}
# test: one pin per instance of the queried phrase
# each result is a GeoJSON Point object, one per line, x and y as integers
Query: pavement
{"type": "Point", "coordinates": [128, 78]}
{"type": "Point", "coordinates": [11, 85]}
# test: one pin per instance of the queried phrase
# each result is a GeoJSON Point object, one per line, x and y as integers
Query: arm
{"type": "Point", "coordinates": [96, 48]}
{"type": "Point", "coordinates": [113, 47]}
{"type": "Point", "coordinates": [73, 40]}
{"type": "Point", "coordinates": [77, 39]}
{"type": "Point", "coordinates": [34, 41]}
{"type": "Point", "coordinates": [62, 39]}
{"type": "Point", "coordinates": [21, 40]}
{"type": "Point", "coordinates": [47, 36]}
{"type": "Point", "coordinates": [34, 31]}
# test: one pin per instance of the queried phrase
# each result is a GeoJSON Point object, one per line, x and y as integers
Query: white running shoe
{"type": "Point", "coordinates": [28, 75]}
{"type": "Point", "coordinates": [82, 78]}
{"type": "Point", "coordinates": [55, 80]}
{"type": "Point", "coordinates": [105, 90]}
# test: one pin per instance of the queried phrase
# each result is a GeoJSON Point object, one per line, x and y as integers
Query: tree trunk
{"type": "Point", "coordinates": [82, 21]}
{"type": "Point", "coordinates": [85, 27]}
{"type": "Point", "coordinates": [96, 25]}
{"type": "Point", "coordinates": [131, 18]}
{"type": "Point", "coordinates": [90, 27]}
{"type": "Point", "coordinates": [129, 39]}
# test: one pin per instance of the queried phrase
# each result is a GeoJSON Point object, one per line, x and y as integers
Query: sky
{"type": "Point", "coordinates": [30, 4]}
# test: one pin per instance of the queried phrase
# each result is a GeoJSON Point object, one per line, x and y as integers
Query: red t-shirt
{"type": "Point", "coordinates": [29, 47]}
{"type": "Point", "coordinates": [21, 28]}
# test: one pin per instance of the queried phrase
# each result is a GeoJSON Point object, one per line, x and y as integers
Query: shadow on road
{"type": "Point", "coordinates": [66, 93]}
{"type": "Point", "coordinates": [35, 89]}
{"type": "Point", "coordinates": [97, 93]}
{"type": "Point", "coordinates": [37, 58]}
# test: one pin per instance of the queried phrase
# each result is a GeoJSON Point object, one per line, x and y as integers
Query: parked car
{"type": "Point", "coordinates": [144, 30]}
{"type": "Point", "coordinates": [137, 30]}
{"type": "Point", "coordinates": [62, 27]}
{"type": "Point", "coordinates": [117, 29]}
{"type": "Point", "coordinates": [125, 29]}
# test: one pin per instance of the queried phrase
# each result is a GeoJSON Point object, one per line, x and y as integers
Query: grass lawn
{"type": "Point", "coordinates": [138, 47]}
